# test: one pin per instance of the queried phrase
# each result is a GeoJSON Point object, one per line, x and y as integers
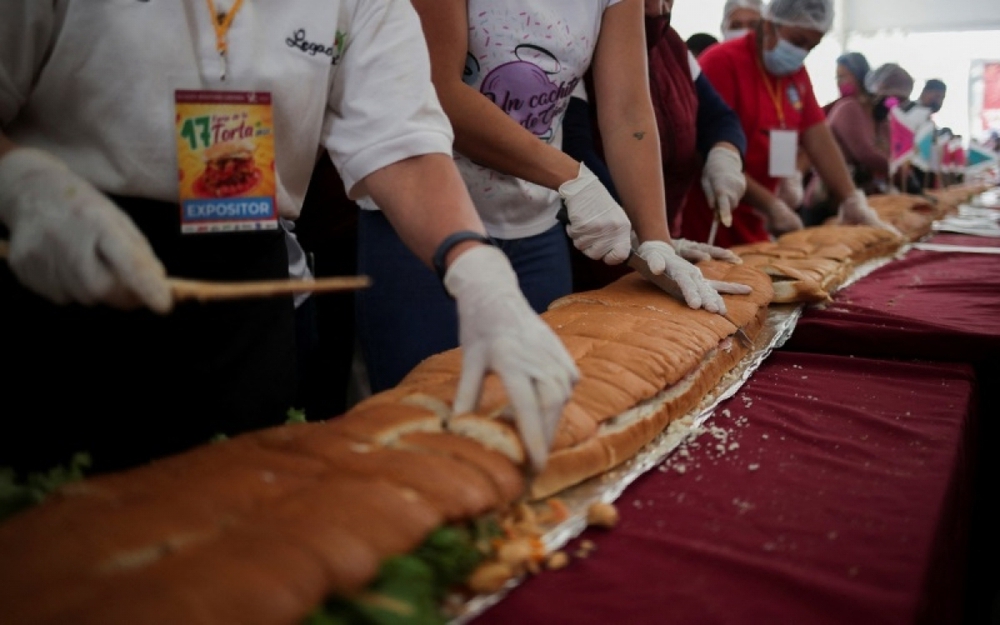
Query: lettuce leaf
{"type": "Point", "coordinates": [409, 589]}
{"type": "Point", "coordinates": [16, 496]}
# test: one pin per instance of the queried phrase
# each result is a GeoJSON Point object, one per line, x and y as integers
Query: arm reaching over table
{"type": "Point", "coordinates": [829, 162]}
{"type": "Point", "coordinates": [426, 201]}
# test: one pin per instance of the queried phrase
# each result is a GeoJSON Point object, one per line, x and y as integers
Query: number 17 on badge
{"type": "Point", "coordinates": [225, 157]}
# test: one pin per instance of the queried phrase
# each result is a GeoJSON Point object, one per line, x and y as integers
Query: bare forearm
{"type": "Point", "coordinates": [828, 161]}
{"type": "Point", "coordinates": [632, 147]}
{"type": "Point", "coordinates": [426, 200]}
{"type": "Point", "coordinates": [628, 124]}
{"type": "Point", "coordinates": [758, 195]}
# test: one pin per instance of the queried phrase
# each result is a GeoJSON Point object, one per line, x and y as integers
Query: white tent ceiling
{"type": "Point", "coordinates": [870, 16]}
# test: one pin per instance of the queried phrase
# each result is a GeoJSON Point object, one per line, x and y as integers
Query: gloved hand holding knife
{"type": "Point", "coordinates": [724, 184]}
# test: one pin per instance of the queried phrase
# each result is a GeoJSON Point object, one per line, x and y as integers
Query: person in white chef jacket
{"type": "Point", "coordinates": [108, 185]}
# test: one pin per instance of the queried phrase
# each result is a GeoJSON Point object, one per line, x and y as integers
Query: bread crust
{"type": "Point", "coordinates": [266, 512]}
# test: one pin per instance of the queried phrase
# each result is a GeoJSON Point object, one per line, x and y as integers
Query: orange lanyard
{"type": "Point", "coordinates": [221, 24]}
{"type": "Point", "coordinates": [774, 92]}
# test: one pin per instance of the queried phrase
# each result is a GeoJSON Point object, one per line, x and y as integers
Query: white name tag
{"type": "Point", "coordinates": [784, 149]}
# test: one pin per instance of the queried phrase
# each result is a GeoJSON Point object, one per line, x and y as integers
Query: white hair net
{"type": "Point", "coordinates": [890, 80]}
{"type": "Point", "coordinates": [814, 14]}
{"type": "Point", "coordinates": [732, 5]}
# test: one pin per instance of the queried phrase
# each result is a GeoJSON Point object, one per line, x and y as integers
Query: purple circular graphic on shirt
{"type": "Point", "coordinates": [522, 90]}
{"type": "Point", "coordinates": [525, 92]}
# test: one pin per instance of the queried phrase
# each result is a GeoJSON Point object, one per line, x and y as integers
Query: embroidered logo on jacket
{"type": "Point", "coordinates": [299, 41]}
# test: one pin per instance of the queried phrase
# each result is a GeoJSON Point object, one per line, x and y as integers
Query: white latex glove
{"type": "Point", "coordinates": [856, 211]}
{"type": "Point", "coordinates": [790, 190]}
{"type": "Point", "coordinates": [696, 290]}
{"type": "Point", "coordinates": [723, 182]}
{"type": "Point", "coordinates": [598, 226]}
{"type": "Point", "coordinates": [696, 252]}
{"type": "Point", "coordinates": [500, 332]}
{"type": "Point", "coordinates": [70, 243]}
{"type": "Point", "coordinates": [781, 218]}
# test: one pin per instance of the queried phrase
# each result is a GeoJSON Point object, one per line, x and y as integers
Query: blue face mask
{"type": "Point", "coordinates": [784, 59]}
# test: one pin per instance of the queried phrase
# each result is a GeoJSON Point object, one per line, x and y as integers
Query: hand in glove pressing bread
{"type": "Point", "coordinates": [500, 332]}
{"type": "Point", "coordinates": [69, 243]}
{"type": "Point", "coordinates": [697, 292]}
{"type": "Point", "coordinates": [856, 211]}
{"type": "Point", "coordinates": [597, 224]}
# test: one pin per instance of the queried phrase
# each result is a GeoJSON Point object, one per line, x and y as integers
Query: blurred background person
{"type": "Point", "coordinates": [931, 98]}
{"type": "Point", "coordinates": [933, 94]}
{"type": "Point", "coordinates": [851, 120]}
{"type": "Point", "coordinates": [891, 86]}
{"type": "Point", "coordinates": [740, 17]}
{"type": "Point", "coordinates": [851, 70]}
{"type": "Point", "coordinates": [761, 76]}
{"type": "Point", "coordinates": [699, 42]}
{"type": "Point", "coordinates": [993, 141]}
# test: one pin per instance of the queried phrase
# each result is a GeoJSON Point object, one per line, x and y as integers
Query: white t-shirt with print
{"type": "Point", "coordinates": [527, 56]}
{"type": "Point", "coordinates": [93, 83]}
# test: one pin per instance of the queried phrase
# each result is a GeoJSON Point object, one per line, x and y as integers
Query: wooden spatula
{"type": "Point", "coordinates": [207, 291]}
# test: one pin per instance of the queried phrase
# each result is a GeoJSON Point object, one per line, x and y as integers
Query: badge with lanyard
{"type": "Point", "coordinates": [225, 152]}
{"type": "Point", "coordinates": [784, 142]}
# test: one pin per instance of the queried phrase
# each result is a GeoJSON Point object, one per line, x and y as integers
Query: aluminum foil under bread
{"type": "Point", "coordinates": [608, 486]}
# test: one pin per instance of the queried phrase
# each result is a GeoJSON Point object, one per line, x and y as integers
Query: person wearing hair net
{"type": "Point", "coordinates": [739, 17]}
{"type": "Point", "coordinates": [887, 87]}
{"type": "Point", "coordinates": [852, 70]}
{"type": "Point", "coordinates": [891, 87]}
{"type": "Point", "coordinates": [762, 78]}
{"type": "Point", "coordinates": [851, 120]}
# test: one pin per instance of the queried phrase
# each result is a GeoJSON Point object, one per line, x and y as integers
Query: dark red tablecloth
{"type": "Point", "coordinates": [928, 305]}
{"type": "Point", "coordinates": [833, 498]}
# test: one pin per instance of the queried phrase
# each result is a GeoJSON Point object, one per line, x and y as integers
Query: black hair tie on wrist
{"type": "Point", "coordinates": [451, 241]}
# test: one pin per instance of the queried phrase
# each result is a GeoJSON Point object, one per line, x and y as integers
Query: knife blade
{"type": "Point", "coordinates": [714, 230]}
{"type": "Point", "coordinates": [669, 286]}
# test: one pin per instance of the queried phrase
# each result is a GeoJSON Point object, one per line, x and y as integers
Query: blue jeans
{"type": "Point", "coordinates": [406, 315]}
